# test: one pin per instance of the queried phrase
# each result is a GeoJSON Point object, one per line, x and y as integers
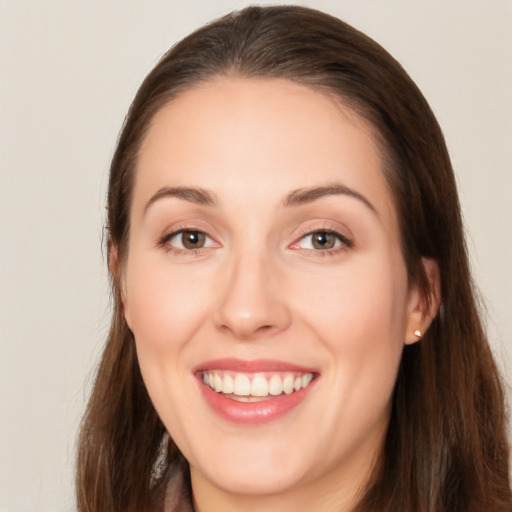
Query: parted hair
{"type": "Point", "coordinates": [446, 448]}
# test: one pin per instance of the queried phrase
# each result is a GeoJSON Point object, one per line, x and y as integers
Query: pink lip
{"type": "Point", "coordinates": [252, 413]}
{"type": "Point", "coordinates": [257, 365]}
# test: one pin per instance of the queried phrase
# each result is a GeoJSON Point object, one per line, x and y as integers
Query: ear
{"type": "Point", "coordinates": [114, 266]}
{"type": "Point", "coordinates": [422, 309]}
{"type": "Point", "coordinates": [113, 259]}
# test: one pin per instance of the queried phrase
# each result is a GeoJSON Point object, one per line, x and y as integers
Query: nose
{"type": "Point", "coordinates": [252, 301]}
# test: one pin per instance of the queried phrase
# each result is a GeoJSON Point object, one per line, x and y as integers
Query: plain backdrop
{"type": "Point", "coordinates": [68, 71]}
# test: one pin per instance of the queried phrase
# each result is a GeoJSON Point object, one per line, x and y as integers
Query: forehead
{"type": "Point", "coordinates": [259, 136]}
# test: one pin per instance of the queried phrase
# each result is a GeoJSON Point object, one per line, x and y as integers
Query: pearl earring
{"type": "Point", "coordinates": [417, 333]}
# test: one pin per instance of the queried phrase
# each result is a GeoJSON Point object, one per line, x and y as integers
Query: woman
{"type": "Point", "coordinates": [294, 323]}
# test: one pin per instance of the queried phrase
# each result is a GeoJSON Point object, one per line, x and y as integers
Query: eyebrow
{"type": "Point", "coordinates": [190, 194]}
{"type": "Point", "coordinates": [295, 198]}
{"type": "Point", "coordinates": [308, 195]}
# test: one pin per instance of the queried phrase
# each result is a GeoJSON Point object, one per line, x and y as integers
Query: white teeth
{"type": "Point", "coordinates": [229, 384]}
{"type": "Point", "coordinates": [240, 386]}
{"type": "Point", "coordinates": [306, 379]}
{"type": "Point", "coordinates": [217, 383]}
{"type": "Point", "coordinates": [275, 385]}
{"type": "Point", "coordinates": [259, 386]}
{"type": "Point", "coordinates": [288, 384]}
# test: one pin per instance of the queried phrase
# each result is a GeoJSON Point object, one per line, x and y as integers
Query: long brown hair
{"type": "Point", "coordinates": [446, 448]}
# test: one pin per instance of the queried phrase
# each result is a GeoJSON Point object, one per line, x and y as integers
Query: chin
{"type": "Point", "coordinates": [257, 480]}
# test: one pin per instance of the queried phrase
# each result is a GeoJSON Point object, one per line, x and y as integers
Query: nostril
{"type": "Point", "coordinates": [248, 331]}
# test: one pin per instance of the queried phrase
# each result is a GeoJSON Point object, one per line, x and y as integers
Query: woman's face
{"type": "Point", "coordinates": [264, 262]}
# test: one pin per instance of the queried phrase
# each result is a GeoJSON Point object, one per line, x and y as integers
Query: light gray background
{"type": "Point", "coordinates": [68, 71]}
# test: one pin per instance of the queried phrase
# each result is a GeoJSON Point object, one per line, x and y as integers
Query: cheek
{"type": "Point", "coordinates": [163, 304]}
{"type": "Point", "coordinates": [164, 307]}
{"type": "Point", "coordinates": [360, 329]}
{"type": "Point", "coordinates": [359, 318]}
{"type": "Point", "coordinates": [359, 303]}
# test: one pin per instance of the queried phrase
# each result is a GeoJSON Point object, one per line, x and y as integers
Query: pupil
{"type": "Point", "coordinates": [323, 241]}
{"type": "Point", "coordinates": [193, 239]}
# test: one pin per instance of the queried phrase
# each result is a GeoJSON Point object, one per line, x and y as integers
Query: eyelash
{"type": "Point", "coordinates": [164, 242]}
{"type": "Point", "coordinates": [345, 243]}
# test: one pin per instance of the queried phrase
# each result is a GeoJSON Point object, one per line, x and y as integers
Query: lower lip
{"type": "Point", "coordinates": [253, 413]}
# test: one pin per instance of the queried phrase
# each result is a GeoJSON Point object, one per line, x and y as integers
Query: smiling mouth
{"type": "Point", "coordinates": [255, 387]}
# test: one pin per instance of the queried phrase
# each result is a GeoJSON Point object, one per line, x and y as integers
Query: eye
{"type": "Point", "coordinates": [187, 240]}
{"type": "Point", "coordinates": [322, 241]}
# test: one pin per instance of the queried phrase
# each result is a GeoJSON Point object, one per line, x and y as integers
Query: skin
{"type": "Point", "coordinates": [259, 289]}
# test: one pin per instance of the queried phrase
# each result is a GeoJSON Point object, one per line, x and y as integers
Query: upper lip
{"type": "Point", "coordinates": [252, 366]}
